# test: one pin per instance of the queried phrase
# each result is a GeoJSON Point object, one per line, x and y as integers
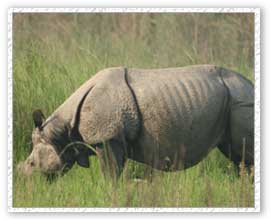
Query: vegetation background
{"type": "Point", "coordinates": [53, 54]}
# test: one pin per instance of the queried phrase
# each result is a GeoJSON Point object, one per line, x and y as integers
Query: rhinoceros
{"type": "Point", "coordinates": [169, 119]}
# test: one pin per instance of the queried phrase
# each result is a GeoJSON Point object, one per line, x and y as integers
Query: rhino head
{"type": "Point", "coordinates": [50, 154]}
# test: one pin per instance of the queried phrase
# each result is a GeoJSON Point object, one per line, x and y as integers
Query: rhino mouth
{"type": "Point", "coordinates": [53, 176]}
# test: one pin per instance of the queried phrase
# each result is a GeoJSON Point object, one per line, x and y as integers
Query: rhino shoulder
{"type": "Point", "coordinates": [109, 108]}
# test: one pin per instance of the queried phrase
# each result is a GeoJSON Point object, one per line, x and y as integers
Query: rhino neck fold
{"type": "Point", "coordinates": [74, 133]}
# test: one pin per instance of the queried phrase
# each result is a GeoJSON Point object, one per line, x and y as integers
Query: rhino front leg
{"type": "Point", "coordinates": [112, 158]}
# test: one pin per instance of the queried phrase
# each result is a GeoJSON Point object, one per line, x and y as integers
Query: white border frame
{"type": "Point", "coordinates": [256, 12]}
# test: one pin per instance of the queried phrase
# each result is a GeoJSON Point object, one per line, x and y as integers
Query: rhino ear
{"type": "Point", "coordinates": [38, 118]}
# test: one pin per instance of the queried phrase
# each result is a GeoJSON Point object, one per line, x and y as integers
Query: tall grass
{"type": "Point", "coordinates": [208, 184]}
{"type": "Point", "coordinates": [55, 53]}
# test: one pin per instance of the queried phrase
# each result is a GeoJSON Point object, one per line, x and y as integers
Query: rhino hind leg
{"type": "Point", "coordinates": [242, 133]}
{"type": "Point", "coordinates": [112, 158]}
{"type": "Point", "coordinates": [238, 143]}
{"type": "Point", "coordinates": [226, 148]}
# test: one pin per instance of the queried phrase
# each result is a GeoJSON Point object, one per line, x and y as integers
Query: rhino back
{"type": "Point", "coordinates": [183, 112]}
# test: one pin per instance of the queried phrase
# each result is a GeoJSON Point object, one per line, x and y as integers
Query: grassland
{"type": "Point", "coordinates": [54, 54]}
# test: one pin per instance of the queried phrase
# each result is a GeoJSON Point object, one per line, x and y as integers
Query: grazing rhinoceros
{"type": "Point", "coordinates": [169, 119]}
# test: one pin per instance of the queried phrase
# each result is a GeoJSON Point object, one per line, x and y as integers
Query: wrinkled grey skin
{"type": "Point", "coordinates": [169, 119]}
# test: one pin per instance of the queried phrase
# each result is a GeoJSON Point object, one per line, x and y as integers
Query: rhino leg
{"type": "Point", "coordinates": [238, 144]}
{"type": "Point", "coordinates": [242, 133]}
{"type": "Point", "coordinates": [239, 140]}
{"type": "Point", "coordinates": [112, 158]}
{"type": "Point", "coordinates": [226, 148]}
